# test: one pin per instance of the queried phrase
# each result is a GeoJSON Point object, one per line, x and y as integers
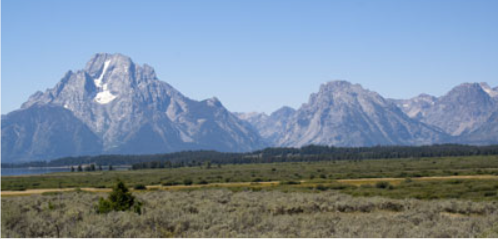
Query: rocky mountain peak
{"type": "Point", "coordinates": [213, 102]}
{"type": "Point", "coordinates": [342, 114]}
{"type": "Point", "coordinates": [463, 109]}
{"type": "Point", "coordinates": [118, 71]}
{"type": "Point", "coordinates": [467, 93]}
{"type": "Point", "coordinates": [339, 86]}
{"type": "Point", "coordinates": [425, 97]}
{"type": "Point", "coordinates": [467, 88]}
{"type": "Point", "coordinates": [131, 111]}
{"type": "Point", "coordinates": [343, 94]}
{"type": "Point", "coordinates": [97, 61]}
{"type": "Point", "coordinates": [284, 111]}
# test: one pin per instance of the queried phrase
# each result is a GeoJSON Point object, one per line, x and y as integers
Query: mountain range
{"type": "Point", "coordinates": [114, 106]}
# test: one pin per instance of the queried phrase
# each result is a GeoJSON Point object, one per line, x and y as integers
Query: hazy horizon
{"type": "Point", "coordinates": [256, 56]}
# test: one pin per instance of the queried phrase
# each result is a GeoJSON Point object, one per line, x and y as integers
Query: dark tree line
{"type": "Point", "coordinates": [270, 155]}
{"type": "Point", "coordinates": [90, 168]}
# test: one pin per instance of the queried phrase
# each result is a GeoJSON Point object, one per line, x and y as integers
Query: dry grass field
{"type": "Point", "coordinates": [223, 213]}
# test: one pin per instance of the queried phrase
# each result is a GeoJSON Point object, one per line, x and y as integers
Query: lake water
{"type": "Point", "coordinates": [31, 171]}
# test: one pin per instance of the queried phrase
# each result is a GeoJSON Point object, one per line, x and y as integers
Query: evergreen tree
{"type": "Point", "coordinates": [120, 199]}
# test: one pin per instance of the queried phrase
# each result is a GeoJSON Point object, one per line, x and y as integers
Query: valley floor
{"type": "Point", "coordinates": [420, 197]}
{"type": "Point", "coordinates": [253, 185]}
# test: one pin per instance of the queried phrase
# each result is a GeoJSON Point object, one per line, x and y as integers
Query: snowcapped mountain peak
{"type": "Point", "coordinates": [132, 111]}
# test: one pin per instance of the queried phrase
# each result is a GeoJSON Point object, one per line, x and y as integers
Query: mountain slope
{"type": "Point", "coordinates": [132, 111]}
{"type": "Point", "coordinates": [344, 114]}
{"type": "Point", "coordinates": [45, 132]}
{"type": "Point", "coordinates": [486, 134]}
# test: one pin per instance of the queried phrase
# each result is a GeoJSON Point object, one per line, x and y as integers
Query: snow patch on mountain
{"type": "Point", "coordinates": [104, 96]}
{"type": "Point", "coordinates": [98, 81]}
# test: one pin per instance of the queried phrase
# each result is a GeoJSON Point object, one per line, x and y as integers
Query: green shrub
{"type": "Point", "coordinates": [170, 183]}
{"type": "Point", "coordinates": [490, 194]}
{"type": "Point", "coordinates": [339, 186]}
{"type": "Point", "coordinates": [120, 199]}
{"type": "Point", "coordinates": [50, 206]}
{"type": "Point", "coordinates": [257, 180]}
{"type": "Point", "coordinates": [383, 185]}
{"type": "Point", "coordinates": [187, 181]}
{"type": "Point", "coordinates": [104, 206]}
{"type": "Point", "coordinates": [140, 187]}
{"type": "Point", "coordinates": [203, 182]}
{"type": "Point", "coordinates": [290, 183]}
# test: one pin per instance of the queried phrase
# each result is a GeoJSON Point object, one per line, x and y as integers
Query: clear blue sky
{"type": "Point", "coordinates": [255, 55]}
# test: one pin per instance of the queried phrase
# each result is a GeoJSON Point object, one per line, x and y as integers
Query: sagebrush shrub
{"type": "Point", "coordinates": [222, 213]}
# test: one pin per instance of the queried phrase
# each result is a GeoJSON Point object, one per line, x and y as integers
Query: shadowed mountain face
{"type": "Point", "coordinates": [129, 110]}
{"type": "Point", "coordinates": [44, 132]}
